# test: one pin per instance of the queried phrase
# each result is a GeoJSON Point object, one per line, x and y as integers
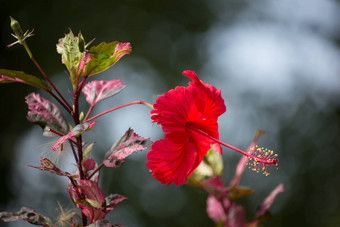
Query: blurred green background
{"type": "Point", "coordinates": [277, 63]}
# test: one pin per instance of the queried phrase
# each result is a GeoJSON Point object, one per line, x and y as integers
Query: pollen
{"type": "Point", "coordinates": [262, 157]}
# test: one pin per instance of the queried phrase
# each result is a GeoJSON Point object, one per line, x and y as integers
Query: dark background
{"type": "Point", "coordinates": [277, 64]}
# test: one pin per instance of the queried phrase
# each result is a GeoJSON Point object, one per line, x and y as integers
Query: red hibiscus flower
{"type": "Point", "coordinates": [182, 112]}
{"type": "Point", "coordinates": [188, 116]}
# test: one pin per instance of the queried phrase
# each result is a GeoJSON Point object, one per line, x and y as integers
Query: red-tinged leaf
{"type": "Point", "coordinates": [104, 56]}
{"type": "Point", "coordinates": [12, 76]}
{"type": "Point", "coordinates": [214, 186]}
{"type": "Point", "coordinates": [89, 165]}
{"type": "Point", "coordinates": [45, 113]}
{"type": "Point", "coordinates": [76, 131]}
{"type": "Point", "coordinates": [215, 209]}
{"type": "Point", "coordinates": [47, 165]}
{"type": "Point", "coordinates": [263, 210]}
{"type": "Point", "coordinates": [26, 214]}
{"type": "Point", "coordinates": [236, 216]}
{"type": "Point", "coordinates": [93, 193]}
{"type": "Point", "coordinates": [125, 146]}
{"type": "Point", "coordinates": [113, 200]}
{"type": "Point", "coordinates": [96, 91]}
{"type": "Point", "coordinates": [103, 223]}
{"type": "Point", "coordinates": [82, 64]}
{"type": "Point", "coordinates": [95, 206]}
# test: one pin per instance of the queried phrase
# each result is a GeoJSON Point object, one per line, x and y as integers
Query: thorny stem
{"type": "Point", "coordinates": [118, 107]}
{"type": "Point", "coordinates": [257, 159]}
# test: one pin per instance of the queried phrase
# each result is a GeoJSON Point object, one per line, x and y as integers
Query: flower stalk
{"type": "Point", "coordinates": [259, 156]}
{"type": "Point", "coordinates": [118, 107]}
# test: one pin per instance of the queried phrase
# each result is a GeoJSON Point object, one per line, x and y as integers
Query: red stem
{"type": "Point", "coordinates": [73, 151]}
{"type": "Point", "coordinates": [75, 115]}
{"type": "Point", "coordinates": [63, 102]}
{"type": "Point", "coordinates": [108, 111]}
{"type": "Point", "coordinates": [268, 161]}
{"type": "Point", "coordinates": [55, 132]}
{"type": "Point", "coordinates": [88, 113]}
{"type": "Point", "coordinates": [118, 107]}
{"type": "Point", "coordinates": [96, 170]}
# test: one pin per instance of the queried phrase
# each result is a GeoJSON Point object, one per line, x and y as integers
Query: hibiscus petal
{"type": "Point", "coordinates": [172, 162]}
{"type": "Point", "coordinates": [209, 126]}
{"type": "Point", "coordinates": [175, 108]}
{"type": "Point", "coordinates": [214, 103]}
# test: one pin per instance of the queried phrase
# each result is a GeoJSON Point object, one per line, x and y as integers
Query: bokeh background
{"type": "Point", "coordinates": [277, 63]}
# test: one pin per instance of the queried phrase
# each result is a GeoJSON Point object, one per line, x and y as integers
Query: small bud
{"type": "Point", "coordinates": [20, 35]}
{"type": "Point", "coordinates": [17, 29]}
{"type": "Point", "coordinates": [81, 116]}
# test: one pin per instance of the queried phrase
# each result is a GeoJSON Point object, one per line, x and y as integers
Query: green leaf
{"type": "Point", "coordinates": [103, 56]}
{"type": "Point", "coordinates": [12, 76]}
{"type": "Point", "coordinates": [69, 49]}
{"type": "Point", "coordinates": [72, 52]}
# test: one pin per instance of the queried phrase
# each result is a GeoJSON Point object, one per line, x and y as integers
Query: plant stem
{"type": "Point", "coordinates": [27, 49]}
{"type": "Point", "coordinates": [63, 102]}
{"type": "Point", "coordinates": [119, 107]}
{"type": "Point", "coordinates": [96, 170]}
{"type": "Point", "coordinates": [257, 159]}
{"type": "Point", "coordinates": [79, 156]}
{"type": "Point", "coordinates": [88, 113]}
{"type": "Point", "coordinates": [75, 115]}
{"type": "Point", "coordinates": [74, 152]}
